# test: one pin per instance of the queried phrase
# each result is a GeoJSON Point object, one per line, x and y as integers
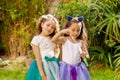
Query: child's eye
{"type": "Point", "coordinates": [73, 30]}
{"type": "Point", "coordinates": [78, 30]}
{"type": "Point", "coordinates": [48, 24]}
{"type": "Point", "coordinates": [53, 27]}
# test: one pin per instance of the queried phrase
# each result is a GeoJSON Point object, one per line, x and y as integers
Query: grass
{"type": "Point", "coordinates": [97, 74]}
{"type": "Point", "coordinates": [105, 74]}
{"type": "Point", "coordinates": [12, 74]}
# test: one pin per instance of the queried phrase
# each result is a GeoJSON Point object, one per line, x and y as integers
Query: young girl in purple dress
{"type": "Point", "coordinates": [74, 46]}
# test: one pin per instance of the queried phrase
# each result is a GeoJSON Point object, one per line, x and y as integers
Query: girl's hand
{"type": "Point", "coordinates": [44, 78]}
{"type": "Point", "coordinates": [65, 31]}
{"type": "Point", "coordinates": [83, 55]}
{"type": "Point", "coordinates": [87, 56]}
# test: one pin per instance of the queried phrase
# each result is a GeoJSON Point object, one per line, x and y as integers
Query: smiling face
{"type": "Point", "coordinates": [48, 27]}
{"type": "Point", "coordinates": [75, 30]}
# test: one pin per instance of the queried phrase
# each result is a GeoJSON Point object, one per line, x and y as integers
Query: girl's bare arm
{"type": "Point", "coordinates": [85, 51]}
{"type": "Point", "coordinates": [38, 58]}
{"type": "Point", "coordinates": [58, 36]}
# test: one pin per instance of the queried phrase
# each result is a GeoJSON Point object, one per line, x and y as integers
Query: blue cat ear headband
{"type": "Point", "coordinates": [80, 19]}
{"type": "Point", "coordinates": [69, 18]}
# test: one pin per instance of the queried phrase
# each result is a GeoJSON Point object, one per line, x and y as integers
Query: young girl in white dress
{"type": "Point", "coordinates": [45, 66]}
{"type": "Point", "coordinates": [74, 46]}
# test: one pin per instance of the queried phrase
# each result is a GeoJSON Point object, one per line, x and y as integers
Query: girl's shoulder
{"type": "Point", "coordinates": [35, 40]}
{"type": "Point", "coordinates": [36, 37]}
{"type": "Point", "coordinates": [39, 38]}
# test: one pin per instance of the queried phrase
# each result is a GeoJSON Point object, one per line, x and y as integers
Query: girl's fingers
{"type": "Point", "coordinates": [67, 31]}
{"type": "Point", "coordinates": [83, 55]}
{"type": "Point", "coordinates": [87, 56]}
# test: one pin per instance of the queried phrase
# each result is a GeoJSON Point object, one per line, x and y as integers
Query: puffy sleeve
{"type": "Point", "coordinates": [35, 40]}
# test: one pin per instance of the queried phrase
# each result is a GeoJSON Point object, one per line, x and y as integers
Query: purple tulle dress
{"type": "Point", "coordinates": [71, 66]}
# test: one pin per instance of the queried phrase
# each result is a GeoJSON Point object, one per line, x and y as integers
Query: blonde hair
{"type": "Point", "coordinates": [43, 18]}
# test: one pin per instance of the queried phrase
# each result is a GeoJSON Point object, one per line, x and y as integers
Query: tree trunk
{"type": "Point", "coordinates": [52, 6]}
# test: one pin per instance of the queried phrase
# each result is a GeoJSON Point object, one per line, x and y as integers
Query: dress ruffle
{"type": "Point", "coordinates": [74, 72]}
{"type": "Point", "coordinates": [51, 69]}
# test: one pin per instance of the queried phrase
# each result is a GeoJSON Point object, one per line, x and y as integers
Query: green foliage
{"type": "Point", "coordinates": [100, 16]}
{"type": "Point", "coordinates": [102, 22]}
{"type": "Point", "coordinates": [19, 25]}
{"type": "Point", "coordinates": [114, 4]}
{"type": "Point", "coordinates": [117, 58]}
{"type": "Point", "coordinates": [1, 45]}
{"type": "Point", "coordinates": [23, 63]}
{"type": "Point", "coordinates": [72, 8]}
{"type": "Point", "coordinates": [99, 54]}
{"type": "Point", "coordinates": [110, 43]}
{"type": "Point", "coordinates": [110, 26]}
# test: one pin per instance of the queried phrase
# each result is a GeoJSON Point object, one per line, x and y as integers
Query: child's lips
{"type": "Point", "coordinates": [75, 36]}
{"type": "Point", "coordinates": [49, 31]}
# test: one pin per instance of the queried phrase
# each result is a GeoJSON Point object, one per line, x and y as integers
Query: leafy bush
{"type": "Point", "coordinates": [117, 58]}
{"type": "Point", "coordinates": [98, 54]}
{"type": "Point", "coordinates": [19, 18]}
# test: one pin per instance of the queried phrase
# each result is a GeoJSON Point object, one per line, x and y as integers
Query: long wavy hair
{"type": "Point", "coordinates": [44, 18]}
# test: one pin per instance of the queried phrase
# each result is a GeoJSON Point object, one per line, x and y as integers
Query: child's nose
{"type": "Point", "coordinates": [50, 28]}
{"type": "Point", "coordinates": [76, 32]}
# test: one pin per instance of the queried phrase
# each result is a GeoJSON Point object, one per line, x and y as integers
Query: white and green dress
{"type": "Point", "coordinates": [50, 63]}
